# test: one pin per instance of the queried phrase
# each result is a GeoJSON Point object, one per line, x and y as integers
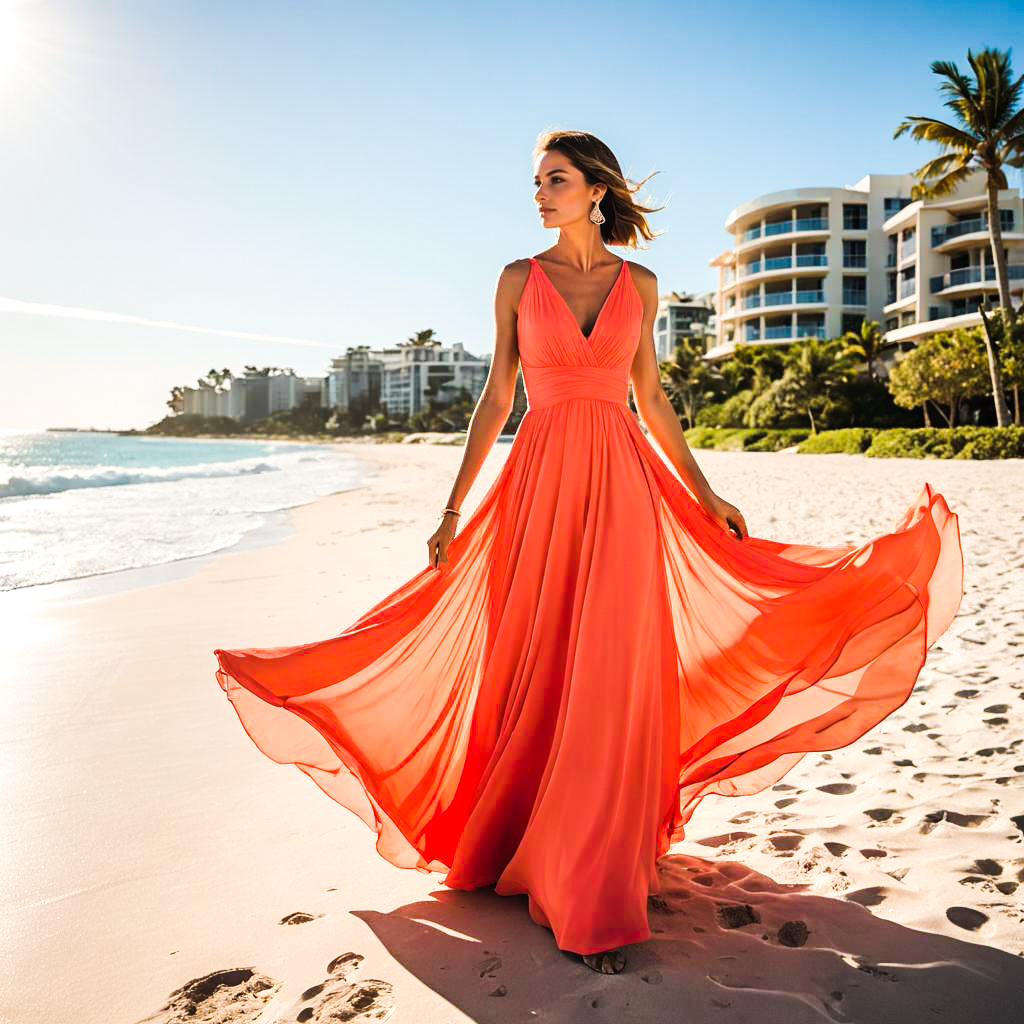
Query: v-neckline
{"type": "Point", "coordinates": [565, 305]}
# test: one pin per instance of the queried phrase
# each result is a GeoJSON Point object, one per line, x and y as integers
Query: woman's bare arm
{"type": "Point", "coordinates": [658, 415]}
{"type": "Point", "coordinates": [494, 406]}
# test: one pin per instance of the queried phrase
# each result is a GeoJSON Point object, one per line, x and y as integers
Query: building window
{"type": "Point", "coordinates": [855, 290]}
{"type": "Point", "coordinates": [893, 204]}
{"type": "Point", "coordinates": [851, 322]}
{"type": "Point", "coordinates": [855, 216]}
{"type": "Point", "coordinates": [855, 252]}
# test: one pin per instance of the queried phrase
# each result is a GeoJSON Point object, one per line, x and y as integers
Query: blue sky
{"type": "Point", "coordinates": [343, 173]}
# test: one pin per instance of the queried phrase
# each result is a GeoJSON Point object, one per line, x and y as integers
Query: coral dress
{"type": "Point", "coordinates": [544, 713]}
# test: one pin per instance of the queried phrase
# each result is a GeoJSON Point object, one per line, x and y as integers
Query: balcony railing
{"type": "Point", "coordinates": [751, 301]}
{"type": "Point", "coordinates": [852, 297]}
{"type": "Point", "coordinates": [890, 260]}
{"type": "Point", "coordinates": [908, 288]}
{"type": "Point", "coordinates": [784, 227]}
{"type": "Point", "coordinates": [778, 298]}
{"type": "Point", "coordinates": [812, 259]}
{"type": "Point", "coordinates": [973, 275]}
{"type": "Point", "coordinates": [855, 260]}
{"type": "Point", "coordinates": [811, 295]}
{"type": "Point", "coordinates": [809, 331]}
{"type": "Point", "coordinates": [944, 232]}
{"type": "Point", "coordinates": [785, 331]}
{"type": "Point", "coordinates": [751, 233]}
{"type": "Point", "coordinates": [778, 262]}
{"type": "Point", "coordinates": [752, 268]}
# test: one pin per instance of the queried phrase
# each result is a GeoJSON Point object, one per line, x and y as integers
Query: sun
{"type": "Point", "coordinates": [18, 42]}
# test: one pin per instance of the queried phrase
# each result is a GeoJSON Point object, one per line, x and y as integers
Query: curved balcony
{"type": "Point", "coordinates": [776, 266]}
{"type": "Point", "coordinates": [969, 232]}
{"type": "Point", "coordinates": [782, 229]}
{"type": "Point", "coordinates": [963, 276]}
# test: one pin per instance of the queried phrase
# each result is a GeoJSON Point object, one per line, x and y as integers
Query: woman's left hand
{"type": "Point", "coordinates": [728, 516]}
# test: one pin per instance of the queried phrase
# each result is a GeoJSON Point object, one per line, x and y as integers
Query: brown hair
{"type": "Point", "coordinates": [624, 219]}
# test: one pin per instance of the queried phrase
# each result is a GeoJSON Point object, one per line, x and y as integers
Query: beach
{"type": "Point", "coordinates": [149, 845]}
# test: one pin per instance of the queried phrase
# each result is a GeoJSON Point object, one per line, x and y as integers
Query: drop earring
{"type": "Point", "coordinates": [596, 216]}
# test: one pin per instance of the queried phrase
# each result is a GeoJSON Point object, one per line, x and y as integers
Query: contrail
{"type": "Point", "coordinates": [79, 313]}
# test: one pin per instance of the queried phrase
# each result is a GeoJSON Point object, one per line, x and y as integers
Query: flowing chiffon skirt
{"type": "Point", "coordinates": [545, 713]}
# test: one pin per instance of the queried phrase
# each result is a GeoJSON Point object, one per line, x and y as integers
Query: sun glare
{"type": "Point", "coordinates": [33, 48]}
{"type": "Point", "coordinates": [16, 42]}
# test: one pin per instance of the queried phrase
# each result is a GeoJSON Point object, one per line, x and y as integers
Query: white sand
{"type": "Point", "coordinates": [148, 843]}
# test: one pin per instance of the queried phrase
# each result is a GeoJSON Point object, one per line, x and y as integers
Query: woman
{"type": "Point", "coordinates": [602, 644]}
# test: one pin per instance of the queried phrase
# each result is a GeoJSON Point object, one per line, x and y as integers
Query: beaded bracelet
{"type": "Point", "coordinates": [454, 511]}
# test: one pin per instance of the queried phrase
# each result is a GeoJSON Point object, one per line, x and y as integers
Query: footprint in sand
{"type": "Point", "coordinates": [238, 994]}
{"type": "Point", "coordinates": [299, 917]}
{"type": "Point", "coordinates": [985, 866]}
{"type": "Point", "coordinates": [489, 966]}
{"type": "Point", "coordinates": [838, 788]}
{"type": "Point", "coordinates": [954, 818]}
{"type": "Point", "coordinates": [340, 997]}
{"type": "Point", "coordinates": [869, 897]}
{"type": "Point", "coordinates": [883, 814]}
{"type": "Point", "coordinates": [786, 843]}
{"type": "Point", "coordinates": [966, 917]}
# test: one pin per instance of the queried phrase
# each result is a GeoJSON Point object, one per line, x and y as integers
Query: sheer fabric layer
{"type": "Point", "coordinates": [546, 713]}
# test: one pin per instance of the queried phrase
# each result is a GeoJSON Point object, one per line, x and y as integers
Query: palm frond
{"type": "Point", "coordinates": [961, 95]}
{"type": "Point", "coordinates": [992, 74]}
{"type": "Point", "coordinates": [944, 186]}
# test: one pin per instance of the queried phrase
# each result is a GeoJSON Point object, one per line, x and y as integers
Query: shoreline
{"type": "Point", "coordinates": [277, 525]}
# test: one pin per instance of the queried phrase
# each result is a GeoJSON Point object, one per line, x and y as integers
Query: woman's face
{"type": "Point", "coordinates": [562, 195]}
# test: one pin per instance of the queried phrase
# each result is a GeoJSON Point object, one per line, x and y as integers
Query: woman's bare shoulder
{"type": "Point", "coordinates": [515, 271]}
{"type": "Point", "coordinates": [512, 281]}
{"type": "Point", "coordinates": [641, 274]}
{"type": "Point", "coordinates": [646, 283]}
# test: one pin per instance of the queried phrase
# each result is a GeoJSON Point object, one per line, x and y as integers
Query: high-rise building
{"type": "Point", "coordinates": [682, 316]}
{"type": "Point", "coordinates": [414, 373]}
{"type": "Point", "coordinates": [939, 261]}
{"type": "Point", "coordinates": [815, 262]}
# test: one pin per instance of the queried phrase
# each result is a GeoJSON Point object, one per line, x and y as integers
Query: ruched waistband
{"type": "Point", "coordinates": [549, 385]}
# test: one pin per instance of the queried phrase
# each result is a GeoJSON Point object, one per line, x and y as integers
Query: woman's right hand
{"type": "Point", "coordinates": [437, 546]}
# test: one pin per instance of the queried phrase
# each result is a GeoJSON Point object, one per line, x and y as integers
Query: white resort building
{"type": "Point", "coordinates": [815, 262]}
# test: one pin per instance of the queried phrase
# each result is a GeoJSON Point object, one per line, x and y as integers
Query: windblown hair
{"type": "Point", "coordinates": [624, 219]}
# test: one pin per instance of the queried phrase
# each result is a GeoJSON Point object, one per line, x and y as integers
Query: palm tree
{"type": "Point", "coordinates": [426, 337]}
{"type": "Point", "coordinates": [867, 342]}
{"type": "Point", "coordinates": [174, 403]}
{"type": "Point", "coordinates": [991, 135]}
{"type": "Point", "coordinates": [814, 369]}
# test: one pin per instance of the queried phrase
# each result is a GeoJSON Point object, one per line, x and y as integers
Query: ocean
{"type": "Point", "coordinates": [75, 504]}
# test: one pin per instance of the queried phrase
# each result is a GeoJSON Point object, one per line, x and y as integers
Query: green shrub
{"type": "Point", "coordinates": [748, 439]}
{"type": "Point", "coordinates": [900, 442]}
{"type": "Point", "coordinates": [773, 440]}
{"type": "Point", "coordinates": [729, 413]}
{"type": "Point", "coordinates": [846, 441]}
{"type": "Point", "coordinates": [942, 443]}
{"type": "Point", "coordinates": [991, 443]}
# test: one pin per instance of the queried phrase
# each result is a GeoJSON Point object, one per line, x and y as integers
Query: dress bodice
{"type": "Point", "coordinates": [559, 362]}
